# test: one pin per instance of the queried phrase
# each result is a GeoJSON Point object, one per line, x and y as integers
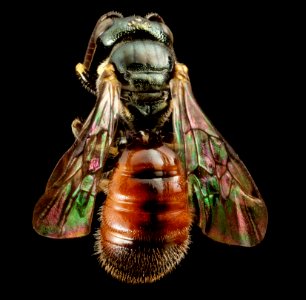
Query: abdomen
{"type": "Point", "coordinates": [145, 220]}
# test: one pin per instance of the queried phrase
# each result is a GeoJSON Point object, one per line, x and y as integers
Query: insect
{"type": "Point", "coordinates": [150, 148]}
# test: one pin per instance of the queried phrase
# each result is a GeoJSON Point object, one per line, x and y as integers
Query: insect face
{"type": "Point", "coordinates": [142, 53]}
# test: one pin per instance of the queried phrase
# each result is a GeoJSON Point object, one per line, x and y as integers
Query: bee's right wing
{"type": "Point", "coordinates": [65, 209]}
{"type": "Point", "coordinates": [228, 204]}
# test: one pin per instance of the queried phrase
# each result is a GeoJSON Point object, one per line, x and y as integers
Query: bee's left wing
{"type": "Point", "coordinates": [229, 205]}
{"type": "Point", "coordinates": [65, 209]}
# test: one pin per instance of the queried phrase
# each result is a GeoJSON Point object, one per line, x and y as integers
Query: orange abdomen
{"type": "Point", "coordinates": [145, 221]}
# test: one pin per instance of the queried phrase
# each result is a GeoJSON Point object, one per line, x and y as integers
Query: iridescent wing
{"type": "Point", "coordinates": [65, 209]}
{"type": "Point", "coordinates": [229, 206]}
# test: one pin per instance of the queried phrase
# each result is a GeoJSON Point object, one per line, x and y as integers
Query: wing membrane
{"type": "Point", "coordinates": [65, 209]}
{"type": "Point", "coordinates": [230, 207]}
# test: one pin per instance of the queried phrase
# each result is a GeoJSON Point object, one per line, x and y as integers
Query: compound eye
{"type": "Point", "coordinates": [113, 14]}
{"type": "Point", "coordinates": [108, 19]}
{"type": "Point", "coordinates": [154, 17]}
{"type": "Point", "coordinates": [105, 22]}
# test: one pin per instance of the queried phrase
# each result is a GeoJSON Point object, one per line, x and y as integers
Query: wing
{"type": "Point", "coordinates": [229, 205]}
{"type": "Point", "coordinates": [65, 209]}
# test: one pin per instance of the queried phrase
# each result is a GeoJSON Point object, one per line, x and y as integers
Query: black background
{"type": "Point", "coordinates": [232, 52]}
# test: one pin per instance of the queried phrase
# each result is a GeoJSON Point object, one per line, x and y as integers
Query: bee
{"type": "Point", "coordinates": [148, 146]}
